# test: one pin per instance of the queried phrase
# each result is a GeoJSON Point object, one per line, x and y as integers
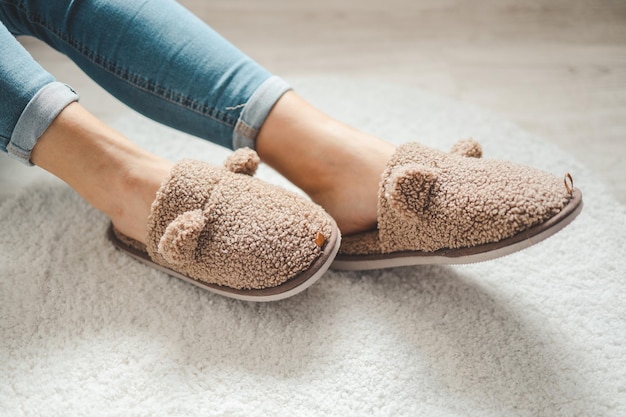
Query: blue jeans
{"type": "Point", "coordinates": [153, 55]}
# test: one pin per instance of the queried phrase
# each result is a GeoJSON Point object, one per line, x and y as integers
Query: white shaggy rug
{"type": "Point", "coordinates": [87, 331]}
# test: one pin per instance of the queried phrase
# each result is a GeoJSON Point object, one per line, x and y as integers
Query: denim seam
{"type": "Point", "coordinates": [16, 151]}
{"type": "Point", "coordinates": [133, 79]}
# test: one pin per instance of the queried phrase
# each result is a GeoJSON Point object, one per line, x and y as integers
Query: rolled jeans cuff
{"type": "Point", "coordinates": [256, 111]}
{"type": "Point", "coordinates": [39, 113]}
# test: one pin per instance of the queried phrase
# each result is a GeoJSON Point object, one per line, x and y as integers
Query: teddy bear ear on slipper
{"type": "Point", "coordinates": [410, 186]}
{"type": "Point", "coordinates": [468, 148]}
{"type": "Point", "coordinates": [436, 207]}
{"type": "Point", "coordinates": [180, 240]}
{"type": "Point", "coordinates": [243, 161]}
{"type": "Point", "coordinates": [232, 234]}
{"type": "Point", "coordinates": [409, 189]}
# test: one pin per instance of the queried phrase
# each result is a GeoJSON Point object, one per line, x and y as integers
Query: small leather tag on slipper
{"type": "Point", "coordinates": [320, 239]}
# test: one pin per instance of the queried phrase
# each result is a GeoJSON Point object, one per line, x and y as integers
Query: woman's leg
{"type": "Point", "coordinates": [161, 60]}
{"type": "Point", "coordinates": [41, 123]}
{"type": "Point", "coordinates": [105, 168]}
{"type": "Point", "coordinates": [338, 166]}
{"type": "Point", "coordinates": [30, 98]}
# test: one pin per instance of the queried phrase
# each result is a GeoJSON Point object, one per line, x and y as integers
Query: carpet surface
{"type": "Point", "coordinates": [87, 331]}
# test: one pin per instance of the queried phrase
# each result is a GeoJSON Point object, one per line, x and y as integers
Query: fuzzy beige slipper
{"type": "Point", "coordinates": [235, 235]}
{"type": "Point", "coordinates": [440, 208]}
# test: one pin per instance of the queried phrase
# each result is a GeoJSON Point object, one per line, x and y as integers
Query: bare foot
{"type": "Point", "coordinates": [131, 207]}
{"type": "Point", "coordinates": [338, 166]}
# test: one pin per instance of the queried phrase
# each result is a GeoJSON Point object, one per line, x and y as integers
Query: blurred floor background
{"type": "Point", "coordinates": [555, 67]}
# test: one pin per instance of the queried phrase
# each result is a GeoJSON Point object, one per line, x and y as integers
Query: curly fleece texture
{"type": "Point", "coordinates": [230, 229]}
{"type": "Point", "coordinates": [431, 200]}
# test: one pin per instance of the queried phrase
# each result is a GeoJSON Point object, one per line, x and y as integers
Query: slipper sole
{"type": "Point", "coordinates": [288, 289]}
{"type": "Point", "coordinates": [474, 254]}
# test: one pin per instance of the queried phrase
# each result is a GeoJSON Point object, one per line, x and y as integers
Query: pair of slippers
{"type": "Point", "coordinates": [230, 233]}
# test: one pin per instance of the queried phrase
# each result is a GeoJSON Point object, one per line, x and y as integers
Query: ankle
{"type": "Point", "coordinates": [114, 175]}
{"type": "Point", "coordinates": [313, 150]}
{"type": "Point", "coordinates": [131, 194]}
{"type": "Point", "coordinates": [337, 166]}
